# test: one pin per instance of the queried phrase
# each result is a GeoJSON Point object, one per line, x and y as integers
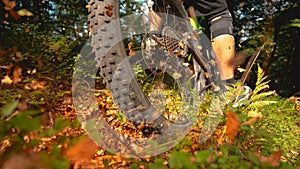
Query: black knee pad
{"type": "Point", "coordinates": [221, 25]}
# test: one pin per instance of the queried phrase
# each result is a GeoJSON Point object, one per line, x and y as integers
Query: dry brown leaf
{"type": "Point", "coordinates": [131, 51]}
{"type": "Point", "coordinates": [17, 72]}
{"type": "Point", "coordinates": [18, 54]}
{"type": "Point", "coordinates": [27, 30]}
{"type": "Point", "coordinates": [8, 4]}
{"type": "Point", "coordinates": [232, 126]}
{"type": "Point", "coordinates": [35, 85]}
{"type": "Point", "coordinates": [273, 160]}
{"type": "Point", "coordinates": [22, 106]}
{"type": "Point", "coordinates": [6, 15]}
{"type": "Point", "coordinates": [14, 14]}
{"type": "Point", "coordinates": [82, 152]}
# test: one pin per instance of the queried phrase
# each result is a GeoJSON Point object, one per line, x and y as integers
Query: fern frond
{"type": "Point", "coordinates": [260, 76]}
{"type": "Point", "coordinates": [261, 96]}
{"type": "Point", "coordinates": [261, 87]}
{"type": "Point", "coordinates": [261, 83]}
{"type": "Point", "coordinates": [260, 79]}
{"type": "Point", "coordinates": [259, 104]}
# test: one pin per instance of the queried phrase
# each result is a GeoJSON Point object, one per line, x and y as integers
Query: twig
{"type": "Point", "coordinates": [51, 119]}
{"type": "Point", "coordinates": [12, 115]}
{"type": "Point", "coordinates": [251, 63]}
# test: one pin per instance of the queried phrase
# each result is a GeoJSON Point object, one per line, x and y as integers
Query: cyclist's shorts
{"type": "Point", "coordinates": [221, 25]}
{"type": "Point", "coordinates": [218, 20]}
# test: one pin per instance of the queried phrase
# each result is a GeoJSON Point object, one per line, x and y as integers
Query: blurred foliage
{"type": "Point", "coordinates": [286, 56]}
{"type": "Point", "coordinates": [47, 39]}
{"type": "Point", "coordinates": [41, 39]}
{"type": "Point", "coordinates": [275, 23]}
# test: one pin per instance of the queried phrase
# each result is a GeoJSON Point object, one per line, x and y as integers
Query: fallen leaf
{"type": "Point", "coordinates": [131, 51]}
{"type": "Point", "coordinates": [24, 12]}
{"type": "Point", "coordinates": [6, 15]}
{"type": "Point", "coordinates": [31, 72]}
{"type": "Point", "coordinates": [6, 80]}
{"type": "Point", "coordinates": [14, 14]}
{"type": "Point", "coordinates": [82, 152]}
{"type": "Point", "coordinates": [18, 54]}
{"type": "Point", "coordinates": [35, 85]}
{"type": "Point", "coordinates": [17, 72]}
{"type": "Point", "coordinates": [8, 4]}
{"type": "Point", "coordinates": [22, 106]}
{"type": "Point", "coordinates": [232, 126]}
{"type": "Point", "coordinates": [241, 69]}
{"type": "Point", "coordinates": [273, 160]}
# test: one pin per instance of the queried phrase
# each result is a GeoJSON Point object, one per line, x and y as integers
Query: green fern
{"type": "Point", "coordinates": [260, 96]}
{"type": "Point", "coordinates": [260, 104]}
{"type": "Point", "coordinates": [261, 83]}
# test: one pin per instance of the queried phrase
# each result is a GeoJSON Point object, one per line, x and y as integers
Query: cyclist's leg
{"type": "Point", "coordinates": [224, 46]}
{"type": "Point", "coordinates": [221, 30]}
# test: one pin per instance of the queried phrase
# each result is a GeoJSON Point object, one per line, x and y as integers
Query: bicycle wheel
{"type": "Point", "coordinates": [173, 65]}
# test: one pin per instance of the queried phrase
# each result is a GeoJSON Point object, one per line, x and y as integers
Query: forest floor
{"type": "Point", "coordinates": [40, 129]}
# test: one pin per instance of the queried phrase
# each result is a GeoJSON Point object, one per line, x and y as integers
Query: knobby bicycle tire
{"type": "Point", "coordinates": [109, 54]}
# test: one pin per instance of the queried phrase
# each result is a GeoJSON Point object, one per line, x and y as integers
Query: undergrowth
{"type": "Point", "coordinates": [267, 135]}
